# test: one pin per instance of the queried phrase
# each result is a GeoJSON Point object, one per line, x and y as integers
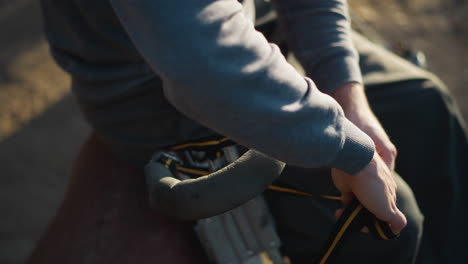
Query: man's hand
{"type": "Point", "coordinates": [353, 100]}
{"type": "Point", "coordinates": [375, 188]}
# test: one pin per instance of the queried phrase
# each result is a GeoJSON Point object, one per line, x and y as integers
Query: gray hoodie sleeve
{"type": "Point", "coordinates": [319, 34]}
{"type": "Point", "coordinates": [219, 71]}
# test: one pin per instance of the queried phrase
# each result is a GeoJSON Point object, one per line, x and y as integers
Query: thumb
{"type": "Point", "coordinates": [339, 212]}
{"type": "Point", "coordinates": [388, 152]}
{"type": "Point", "coordinates": [398, 222]}
{"type": "Point", "coordinates": [347, 197]}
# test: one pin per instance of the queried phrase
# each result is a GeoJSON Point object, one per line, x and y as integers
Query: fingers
{"type": "Point", "coordinates": [347, 197]}
{"type": "Point", "coordinates": [397, 222]}
{"type": "Point", "coordinates": [388, 152]}
{"type": "Point", "coordinates": [394, 218]}
{"type": "Point", "coordinates": [365, 230]}
{"type": "Point", "coordinates": [339, 212]}
{"type": "Point", "coordinates": [375, 188]}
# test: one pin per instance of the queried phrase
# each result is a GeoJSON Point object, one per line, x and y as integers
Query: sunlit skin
{"type": "Point", "coordinates": [374, 186]}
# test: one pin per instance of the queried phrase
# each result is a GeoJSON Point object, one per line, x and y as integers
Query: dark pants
{"type": "Point", "coordinates": [423, 122]}
{"type": "Point", "coordinates": [305, 223]}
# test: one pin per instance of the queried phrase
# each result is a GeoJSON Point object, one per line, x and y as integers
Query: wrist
{"type": "Point", "coordinates": [365, 171]}
{"type": "Point", "coordinates": [357, 151]}
{"type": "Point", "coordinates": [351, 97]}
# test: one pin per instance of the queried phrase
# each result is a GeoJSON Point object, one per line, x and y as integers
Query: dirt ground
{"type": "Point", "coordinates": [41, 128]}
{"type": "Point", "coordinates": [439, 28]}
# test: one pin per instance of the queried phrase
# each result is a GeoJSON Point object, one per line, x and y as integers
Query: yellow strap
{"type": "Point", "coordinates": [340, 233]}
{"type": "Point", "coordinates": [200, 144]}
{"type": "Point", "coordinates": [192, 171]}
{"type": "Point", "coordinates": [379, 229]}
{"type": "Point", "coordinates": [288, 190]}
{"type": "Point", "coordinates": [270, 187]}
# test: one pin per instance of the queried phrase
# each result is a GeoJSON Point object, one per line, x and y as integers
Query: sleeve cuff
{"type": "Point", "coordinates": [357, 151]}
{"type": "Point", "coordinates": [336, 71]}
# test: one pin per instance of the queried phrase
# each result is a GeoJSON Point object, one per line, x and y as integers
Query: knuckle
{"type": "Point", "coordinates": [405, 221]}
{"type": "Point", "coordinates": [390, 216]}
{"type": "Point", "coordinates": [396, 221]}
{"type": "Point", "coordinates": [393, 150]}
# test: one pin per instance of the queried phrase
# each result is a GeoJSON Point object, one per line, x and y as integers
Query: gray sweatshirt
{"type": "Point", "coordinates": [150, 73]}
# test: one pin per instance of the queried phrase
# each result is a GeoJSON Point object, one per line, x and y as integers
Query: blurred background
{"type": "Point", "coordinates": [41, 128]}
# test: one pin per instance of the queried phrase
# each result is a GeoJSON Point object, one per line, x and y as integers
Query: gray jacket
{"type": "Point", "coordinates": [150, 73]}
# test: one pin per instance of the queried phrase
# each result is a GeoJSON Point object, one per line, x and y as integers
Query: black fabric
{"type": "Point", "coordinates": [353, 219]}
{"type": "Point", "coordinates": [305, 223]}
{"type": "Point", "coordinates": [432, 158]}
{"type": "Point", "coordinates": [423, 122]}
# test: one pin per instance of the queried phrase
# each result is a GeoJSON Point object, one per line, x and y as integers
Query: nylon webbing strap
{"type": "Point", "coordinates": [214, 143]}
{"type": "Point", "coordinates": [353, 219]}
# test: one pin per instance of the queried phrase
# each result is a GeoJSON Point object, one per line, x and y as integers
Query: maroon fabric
{"type": "Point", "coordinates": [105, 218]}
